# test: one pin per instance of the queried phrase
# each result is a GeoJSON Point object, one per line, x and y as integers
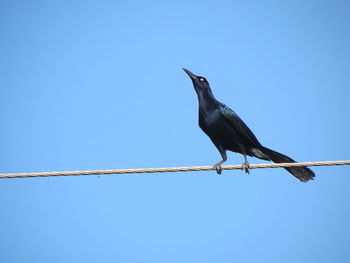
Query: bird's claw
{"type": "Point", "coordinates": [246, 167]}
{"type": "Point", "coordinates": [218, 168]}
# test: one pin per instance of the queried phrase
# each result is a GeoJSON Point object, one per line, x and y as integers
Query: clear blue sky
{"type": "Point", "coordinates": [99, 85]}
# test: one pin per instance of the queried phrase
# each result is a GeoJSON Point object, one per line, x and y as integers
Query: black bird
{"type": "Point", "coordinates": [228, 132]}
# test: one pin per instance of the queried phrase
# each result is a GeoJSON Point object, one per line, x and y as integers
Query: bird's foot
{"type": "Point", "coordinates": [218, 168]}
{"type": "Point", "coordinates": [246, 167]}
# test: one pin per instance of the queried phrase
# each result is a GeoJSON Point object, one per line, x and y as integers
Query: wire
{"type": "Point", "coordinates": [169, 169]}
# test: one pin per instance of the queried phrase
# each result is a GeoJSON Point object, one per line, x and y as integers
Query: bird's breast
{"type": "Point", "coordinates": [208, 119]}
{"type": "Point", "coordinates": [218, 130]}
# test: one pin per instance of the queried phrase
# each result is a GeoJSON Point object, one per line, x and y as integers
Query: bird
{"type": "Point", "coordinates": [227, 131]}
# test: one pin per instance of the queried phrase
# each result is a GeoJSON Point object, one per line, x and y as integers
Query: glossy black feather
{"type": "Point", "coordinates": [236, 123]}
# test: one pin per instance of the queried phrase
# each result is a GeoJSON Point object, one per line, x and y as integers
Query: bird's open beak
{"type": "Point", "coordinates": [189, 73]}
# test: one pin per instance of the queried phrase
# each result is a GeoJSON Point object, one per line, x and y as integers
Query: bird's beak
{"type": "Point", "coordinates": [189, 73]}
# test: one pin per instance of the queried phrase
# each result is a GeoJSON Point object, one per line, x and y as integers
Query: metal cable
{"type": "Point", "coordinates": [169, 169]}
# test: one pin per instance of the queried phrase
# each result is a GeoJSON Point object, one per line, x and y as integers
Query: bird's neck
{"type": "Point", "coordinates": [207, 101]}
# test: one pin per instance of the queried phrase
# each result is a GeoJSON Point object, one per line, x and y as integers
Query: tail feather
{"type": "Point", "coordinates": [304, 174]}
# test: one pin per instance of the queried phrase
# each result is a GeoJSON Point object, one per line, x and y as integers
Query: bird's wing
{"type": "Point", "coordinates": [236, 123]}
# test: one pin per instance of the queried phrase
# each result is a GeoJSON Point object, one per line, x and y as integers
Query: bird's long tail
{"type": "Point", "coordinates": [304, 174]}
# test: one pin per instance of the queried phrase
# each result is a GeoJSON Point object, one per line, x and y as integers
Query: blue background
{"type": "Point", "coordinates": [99, 85]}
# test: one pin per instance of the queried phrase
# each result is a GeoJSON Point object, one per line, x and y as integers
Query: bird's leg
{"type": "Point", "coordinates": [245, 165]}
{"type": "Point", "coordinates": [217, 166]}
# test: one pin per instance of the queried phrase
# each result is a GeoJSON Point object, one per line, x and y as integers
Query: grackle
{"type": "Point", "coordinates": [228, 132]}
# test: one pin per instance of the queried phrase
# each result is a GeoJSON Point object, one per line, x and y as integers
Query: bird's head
{"type": "Point", "coordinates": [200, 83]}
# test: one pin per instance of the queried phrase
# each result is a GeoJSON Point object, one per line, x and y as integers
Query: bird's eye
{"type": "Point", "coordinates": [201, 79]}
